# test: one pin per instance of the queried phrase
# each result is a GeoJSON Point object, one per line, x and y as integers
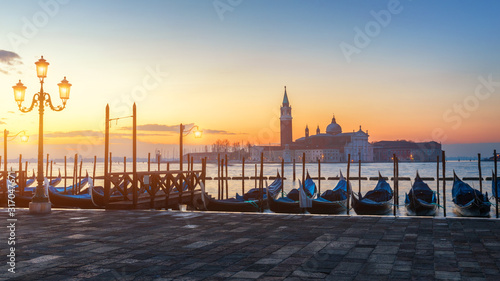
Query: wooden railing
{"type": "Point", "coordinates": [151, 184]}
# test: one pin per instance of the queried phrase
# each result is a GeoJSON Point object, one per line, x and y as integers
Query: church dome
{"type": "Point", "coordinates": [333, 128]}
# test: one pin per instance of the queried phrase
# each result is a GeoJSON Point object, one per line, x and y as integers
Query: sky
{"type": "Point", "coordinates": [414, 70]}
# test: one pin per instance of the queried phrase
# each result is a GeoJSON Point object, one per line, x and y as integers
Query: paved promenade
{"type": "Point", "coordinates": [173, 245]}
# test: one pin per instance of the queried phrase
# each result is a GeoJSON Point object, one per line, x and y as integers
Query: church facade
{"type": "Point", "coordinates": [331, 146]}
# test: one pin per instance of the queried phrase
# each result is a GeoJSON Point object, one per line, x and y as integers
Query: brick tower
{"type": "Point", "coordinates": [286, 122]}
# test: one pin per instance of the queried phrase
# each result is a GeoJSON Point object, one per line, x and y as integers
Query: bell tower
{"type": "Point", "coordinates": [286, 122]}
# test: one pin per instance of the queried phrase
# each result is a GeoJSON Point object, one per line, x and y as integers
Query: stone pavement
{"type": "Point", "coordinates": [173, 245]}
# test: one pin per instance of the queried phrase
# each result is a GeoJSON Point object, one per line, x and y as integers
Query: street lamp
{"type": "Point", "coordinates": [40, 202]}
{"type": "Point", "coordinates": [24, 138]}
{"type": "Point", "coordinates": [183, 133]}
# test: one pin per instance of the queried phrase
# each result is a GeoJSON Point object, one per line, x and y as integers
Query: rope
{"type": "Point", "coordinates": [253, 204]}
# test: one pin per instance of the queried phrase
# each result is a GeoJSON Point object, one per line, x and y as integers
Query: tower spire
{"type": "Point", "coordinates": [285, 99]}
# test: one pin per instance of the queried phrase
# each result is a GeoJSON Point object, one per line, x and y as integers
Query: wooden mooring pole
{"type": "Point", "coordinates": [222, 178]}
{"type": "Point", "coordinates": [319, 176]}
{"type": "Point", "coordinates": [124, 164]}
{"type": "Point", "coordinates": [95, 166]}
{"type": "Point", "coordinates": [303, 168]}
{"type": "Point", "coordinates": [227, 184]}
{"type": "Point", "coordinates": [261, 184]}
{"type": "Point", "coordinates": [218, 176]}
{"type": "Point", "coordinates": [437, 180]}
{"type": "Point", "coordinates": [47, 166]}
{"type": "Point", "coordinates": [158, 161]}
{"type": "Point", "coordinates": [106, 159]}
{"type": "Point", "coordinates": [255, 177]}
{"type": "Point", "coordinates": [394, 178]}
{"type": "Point", "coordinates": [65, 174]}
{"type": "Point", "coordinates": [348, 183]}
{"type": "Point", "coordinates": [443, 159]}
{"type": "Point", "coordinates": [282, 177]}
{"type": "Point", "coordinates": [359, 175]}
{"type": "Point", "coordinates": [480, 172]}
{"type": "Point", "coordinates": [22, 182]}
{"type": "Point", "coordinates": [243, 176]}
{"type": "Point", "coordinates": [80, 176]}
{"type": "Point", "coordinates": [293, 169]}
{"type": "Point", "coordinates": [75, 169]}
{"type": "Point", "coordinates": [397, 180]}
{"type": "Point", "coordinates": [495, 159]}
{"type": "Point", "coordinates": [135, 179]}
{"type": "Point", "coordinates": [149, 161]}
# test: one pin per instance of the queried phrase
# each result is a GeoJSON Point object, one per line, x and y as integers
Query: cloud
{"type": "Point", "coordinates": [10, 111]}
{"type": "Point", "coordinates": [9, 59]}
{"type": "Point", "coordinates": [158, 127]}
{"type": "Point", "coordinates": [175, 129]}
{"type": "Point", "coordinates": [82, 133]}
{"type": "Point", "coordinates": [2, 123]}
{"type": "Point", "coordinates": [217, 132]}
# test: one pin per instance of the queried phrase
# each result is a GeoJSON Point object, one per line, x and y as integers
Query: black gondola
{"type": "Point", "coordinates": [290, 203]}
{"type": "Point", "coordinates": [234, 204]}
{"type": "Point", "coordinates": [332, 201]}
{"type": "Point", "coordinates": [375, 202]}
{"type": "Point", "coordinates": [83, 200]}
{"type": "Point", "coordinates": [421, 200]}
{"type": "Point", "coordinates": [469, 202]}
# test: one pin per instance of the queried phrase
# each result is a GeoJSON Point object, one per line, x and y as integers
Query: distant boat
{"type": "Point", "coordinates": [421, 200]}
{"type": "Point", "coordinates": [469, 202]}
{"type": "Point", "coordinates": [375, 202]}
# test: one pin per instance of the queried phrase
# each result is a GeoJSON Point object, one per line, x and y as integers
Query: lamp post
{"type": "Point", "coordinates": [40, 202]}
{"type": "Point", "coordinates": [183, 133]}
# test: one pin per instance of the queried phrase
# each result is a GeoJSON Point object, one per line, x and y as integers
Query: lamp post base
{"type": "Point", "coordinates": [40, 207]}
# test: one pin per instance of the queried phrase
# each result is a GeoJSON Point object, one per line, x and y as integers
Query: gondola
{"type": "Point", "coordinates": [61, 199]}
{"type": "Point", "coordinates": [31, 180]}
{"type": "Point", "coordinates": [53, 183]}
{"type": "Point", "coordinates": [238, 204]}
{"type": "Point", "coordinates": [375, 202]}
{"type": "Point", "coordinates": [73, 188]}
{"type": "Point", "coordinates": [290, 203]}
{"type": "Point", "coordinates": [469, 202]}
{"type": "Point", "coordinates": [332, 201]}
{"type": "Point", "coordinates": [421, 200]}
{"type": "Point", "coordinates": [23, 201]}
{"type": "Point", "coordinates": [57, 180]}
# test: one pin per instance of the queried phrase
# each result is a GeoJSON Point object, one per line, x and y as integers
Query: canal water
{"type": "Point", "coordinates": [406, 169]}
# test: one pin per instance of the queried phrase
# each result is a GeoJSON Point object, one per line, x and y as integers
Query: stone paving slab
{"type": "Point", "coordinates": [172, 245]}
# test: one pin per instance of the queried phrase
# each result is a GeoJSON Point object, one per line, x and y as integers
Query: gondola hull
{"type": "Point", "coordinates": [279, 206]}
{"type": "Point", "coordinates": [328, 207]}
{"type": "Point", "coordinates": [474, 210]}
{"type": "Point", "coordinates": [230, 205]}
{"type": "Point", "coordinates": [83, 201]}
{"type": "Point", "coordinates": [418, 207]}
{"type": "Point", "coordinates": [420, 200]}
{"type": "Point", "coordinates": [469, 202]}
{"type": "Point", "coordinates": [361, 207]}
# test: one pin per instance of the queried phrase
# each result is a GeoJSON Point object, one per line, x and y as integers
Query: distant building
{"type": "Point", "coordinates": [406, 151]}
{"type": "Point", "coordinates": [332, 146]}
